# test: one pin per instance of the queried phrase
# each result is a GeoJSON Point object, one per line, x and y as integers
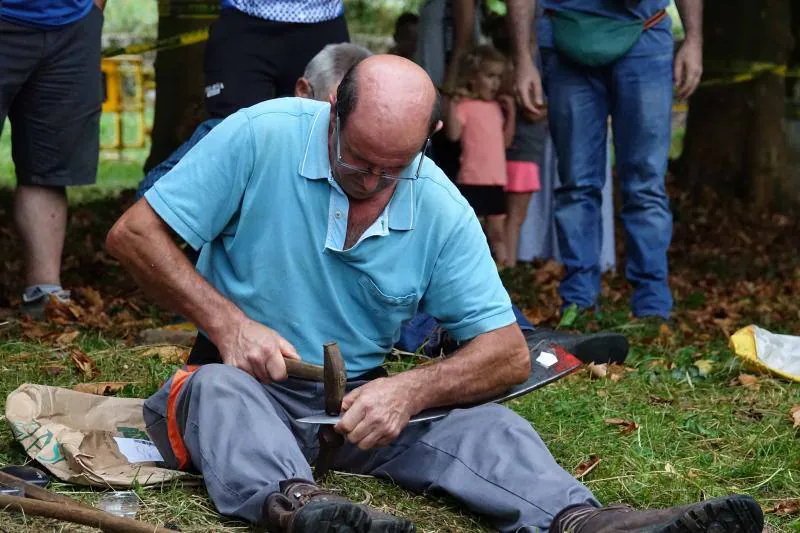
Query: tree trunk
{"type": "Point", "coordinates": [179, 82]}
{"type": "Point", "coordinates": [735, 140]}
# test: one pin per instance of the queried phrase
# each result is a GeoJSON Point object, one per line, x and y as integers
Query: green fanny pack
{"type": "Point", "coordinates": [596, 41]}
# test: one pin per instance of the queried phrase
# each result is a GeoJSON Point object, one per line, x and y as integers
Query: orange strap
{"type": "Point", "coordinates": [173, 431]}
{"type": "Point", "coordinates": [648, 23]}
{"type": "Point", "coordinates": [655, 19]}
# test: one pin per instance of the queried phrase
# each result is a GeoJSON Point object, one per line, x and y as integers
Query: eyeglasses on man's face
{"type": "Point", "coordinates": [408, 173]}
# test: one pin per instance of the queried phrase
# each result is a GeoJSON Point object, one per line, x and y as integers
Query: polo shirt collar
{"type": "Point", "coordinates": [316, 165]}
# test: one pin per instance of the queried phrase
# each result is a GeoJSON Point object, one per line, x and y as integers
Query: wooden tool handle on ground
{"type": "Point", "coordinates": [38, 493]}
{"type": "Point", "coordinates": [303, 370]}
{"type": "Point", "coordinates": [78, 515]}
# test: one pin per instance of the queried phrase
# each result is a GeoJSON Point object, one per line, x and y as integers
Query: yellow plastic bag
{"type": "Point", "coordinates": [768, 352]}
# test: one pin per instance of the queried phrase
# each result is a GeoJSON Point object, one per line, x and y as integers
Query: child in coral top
{"type": "Point", "coordinates": [483, 121]}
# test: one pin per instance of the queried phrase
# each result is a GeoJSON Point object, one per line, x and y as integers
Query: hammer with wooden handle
{"type": "Point", "coordinates": [335, 384]}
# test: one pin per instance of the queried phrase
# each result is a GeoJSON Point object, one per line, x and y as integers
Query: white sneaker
{"type": "Point", "coordinates": [34, 304]}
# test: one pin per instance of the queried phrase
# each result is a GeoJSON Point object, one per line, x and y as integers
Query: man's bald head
{"type": "Point", "coordinates": [391, 96]}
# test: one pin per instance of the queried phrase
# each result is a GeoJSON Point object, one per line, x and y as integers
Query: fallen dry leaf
{"type": "Point", "coordinates": [168, 354]}
{"type": "Point", "coordinates": [84, 363]}
{"type": "Point", "coordinates": [704, 367]}
{"type": "Point", "coordinates": [587, 466]}
{"type": "Point", "coordinates": [101, 388]}
{"type": "Point", "coordinates": [794, 413]}
{"type": "Point", "coordinates": [33, 330]}
{"type": "Point", "coordinates": [52, 369]}
{"type": "Point", "coordinates": [748, 381]}
{"type": "Point", "coordinates": [19, 357]}
{"type": "Point", "coordinates": [62, 313]}
{"type": "Point", "coordinates": [626, 427]}
{"type": "Point", "coordinates": [657, 400]}
{"type": "Point", "coordinates": [785, 508]}
{"type": "Point", "coordinates": [167, 336]}
{"type": "Point", "coordinates": [597, 371]}
{"type": "Point", "coordinates": [665, 334]}
{"type": "Point", "coordinates": [92, 297]}
{"type": "Point", "coordinates": [668, 468]}
{"type": "Point", "coordinates": [616, 377]}
{"type": "Point", "coordinates": [68, 337]}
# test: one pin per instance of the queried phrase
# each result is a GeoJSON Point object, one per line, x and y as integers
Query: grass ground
{"type": "Point", "coordinates": [698, 431]}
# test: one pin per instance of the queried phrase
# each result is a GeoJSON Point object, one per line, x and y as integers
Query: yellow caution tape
{"type": "Point", "coordinates": [744, 71]}
{"type": "Point", "coordinates": [176, 41]}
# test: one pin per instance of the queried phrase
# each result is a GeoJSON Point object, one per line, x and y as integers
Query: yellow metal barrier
{"type": "Point", "coordinates": [124, 95]}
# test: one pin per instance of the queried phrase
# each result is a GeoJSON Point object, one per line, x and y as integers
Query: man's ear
{"type": "Point", "coordinates": [439, 126]}
{"type": "Point", "coordinates": [302, 89]}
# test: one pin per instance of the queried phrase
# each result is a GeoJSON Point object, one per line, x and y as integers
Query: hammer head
{"type": "Point", "coordinates": [335, 378]}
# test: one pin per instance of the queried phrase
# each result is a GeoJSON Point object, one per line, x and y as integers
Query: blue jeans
{"type": "Point", "coordinates": [636, 92]}
{"type": "Point", "coordinates": [158, 171]}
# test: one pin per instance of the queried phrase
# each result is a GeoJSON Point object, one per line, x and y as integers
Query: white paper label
{"type": "Point", "coordinates": [546, 359]}
{"type": "Point", "coordinates": [138, 450]}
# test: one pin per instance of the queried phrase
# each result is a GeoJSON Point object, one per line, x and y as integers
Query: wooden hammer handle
{"type": "Point", "coordinates": [303, 370]}
{"type": "Point", "coordinates": [78, 515]}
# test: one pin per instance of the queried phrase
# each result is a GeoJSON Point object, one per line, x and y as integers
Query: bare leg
{"type": "Point", "coordinates": [517, 209]}
{"type": "Point", "coordinates": [41, 217]}
{"type": "Point", "coordinates": [496, 230]}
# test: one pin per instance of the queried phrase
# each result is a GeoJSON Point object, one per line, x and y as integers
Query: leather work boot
{"type": "Point", "coordinates": [731, 514]}
{"type": "Point", "coordinates": [303, 507]}
{"type": "Point", "coordinates": [602, 347]}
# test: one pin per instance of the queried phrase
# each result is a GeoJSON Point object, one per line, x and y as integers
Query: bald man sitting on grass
{"type": "Point", "coordinates": [324, 221]}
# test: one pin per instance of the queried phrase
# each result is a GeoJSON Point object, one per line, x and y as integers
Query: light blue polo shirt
{"type": "Point", "coordinates": [257, 198]}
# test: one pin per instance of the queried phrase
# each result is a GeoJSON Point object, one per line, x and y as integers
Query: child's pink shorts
{"type": "Point", "coordinates": [523, 176]}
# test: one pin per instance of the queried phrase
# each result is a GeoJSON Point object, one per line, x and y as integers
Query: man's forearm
{"type": "Point", "coordinates": [520, 22]}
{"type": "Point", "coordinates": [691, 12]}
{"type": "Point", "coordinates": [486, 366]}
{"type": "Point", "coordinates": [143, 244]}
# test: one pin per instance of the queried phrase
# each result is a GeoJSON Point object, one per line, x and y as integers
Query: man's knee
{"type": "Point", "coordinates": [220, 378]}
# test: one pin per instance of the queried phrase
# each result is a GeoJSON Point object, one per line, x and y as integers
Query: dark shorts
{"type": "Point", "coordinates": [51, 91]}
{"type": "Point", "coordinates": [486, 200]}
{"type": "Point", "coordinates": [249, 60]}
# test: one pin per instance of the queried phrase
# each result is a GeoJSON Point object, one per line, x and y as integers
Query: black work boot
{"type": "Point", "coordinates": [303, 507]}
{"type": "Point", "coordinates": [731, 514]}
{"type": "Point", "coordinates": [386, 523]}
{"type": "Point", "coordinates": [602, 347]}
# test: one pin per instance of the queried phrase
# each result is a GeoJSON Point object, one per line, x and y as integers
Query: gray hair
{"type": "Point", "coordinates": [328, 67]}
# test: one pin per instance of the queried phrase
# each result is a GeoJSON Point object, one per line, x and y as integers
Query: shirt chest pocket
{"type": "Point", "coordinates": [384, 312]}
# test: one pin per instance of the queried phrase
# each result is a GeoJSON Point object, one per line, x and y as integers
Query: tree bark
{"type": "Point", "coordinates": [735, 140]}
{"type": "Point", "coordinates": [179, 84]}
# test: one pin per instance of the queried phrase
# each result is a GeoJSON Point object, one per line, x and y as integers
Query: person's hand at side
{"type": "Point", "coordinates": [101, 4]}
{"type": "Point", "coordinates": [258, 350]}
{"type": "Point", "coordinates": [688, 67]}
{"type": "Point", "coordinates": [376, 413]}
{"type": "Point", "coordinates": [528, 86]}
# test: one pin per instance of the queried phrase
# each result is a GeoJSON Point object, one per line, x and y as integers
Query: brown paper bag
{"type": "Point", "coordinates": [84, 438]}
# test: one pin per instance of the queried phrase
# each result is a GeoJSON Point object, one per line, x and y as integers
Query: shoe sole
{"type": "Point", "coordinates": [392, 526]}
{"type": "Point", "coordinates": [331, 517]}
{"type": "Point", "coordinates": [600, 348]}
{"type": "Point", "coordinates": [732, 514]}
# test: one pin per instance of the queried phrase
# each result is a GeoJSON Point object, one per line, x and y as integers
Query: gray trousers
{"type": "Point", "coordinates": [243, 438]}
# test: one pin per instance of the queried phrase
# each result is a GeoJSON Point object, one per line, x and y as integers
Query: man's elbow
{"type": "Point", "coordinates": [116, 238]}
{"type": "Point", "coordinates": [123, 233]}
{"type": "Point", "coordinates": [520, 360]}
